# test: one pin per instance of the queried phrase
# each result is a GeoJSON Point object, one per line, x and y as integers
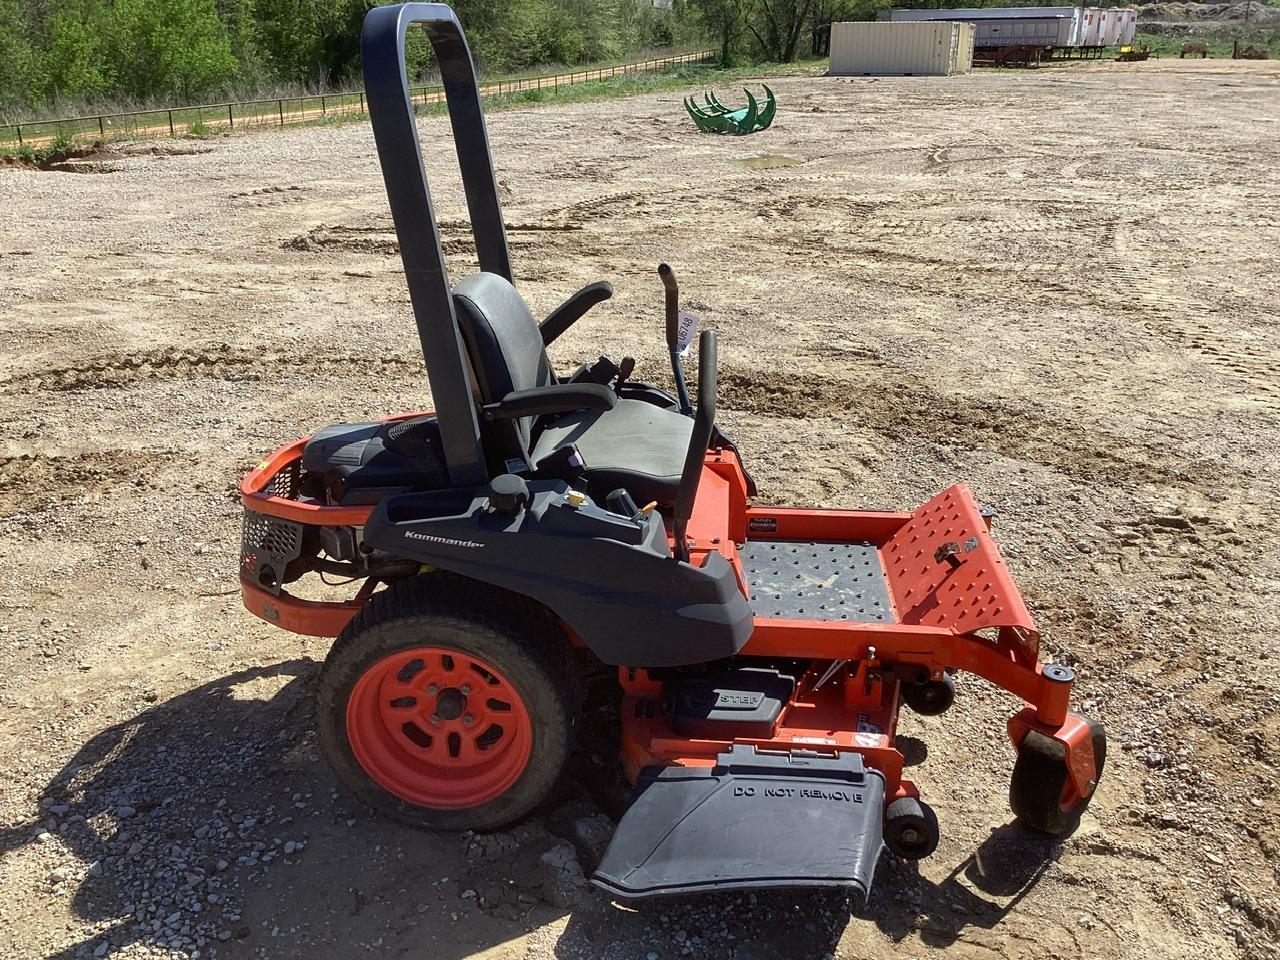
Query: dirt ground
{"type": "Point", "coordinates": [1057, 285]}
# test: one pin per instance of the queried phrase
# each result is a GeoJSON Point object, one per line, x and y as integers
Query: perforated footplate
{"type": "Point", "coordinates": [812, 580]}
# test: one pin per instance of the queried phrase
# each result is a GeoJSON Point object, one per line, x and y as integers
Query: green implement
{"type": "Point", "coordinates": [712, 116]}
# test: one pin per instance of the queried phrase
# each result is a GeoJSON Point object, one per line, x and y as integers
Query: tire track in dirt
{"type": "Point", "coordinates": [1259, 372]}
{"type": "Point", "coordinates": [31, 480]}
{"type": "Point", "coordinates": [914, 413]}
{"type": "Point", "coordinates": [456, 238]}
{"type": "Point", "coordinates": [220, 362]}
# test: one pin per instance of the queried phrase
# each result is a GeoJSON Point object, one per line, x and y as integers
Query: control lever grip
{"type": "Point", "coordinates": [672, 290]}
{"type": "Point", "coordinates": [672, 303]}
{"type": "Point", "coordinates": [625, 369]}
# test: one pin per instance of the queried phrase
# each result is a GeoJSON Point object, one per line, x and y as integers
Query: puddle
{"type": "Point", "coordinates": [767, 161]}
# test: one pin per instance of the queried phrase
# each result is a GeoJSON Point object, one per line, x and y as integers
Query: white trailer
{"type": "Point", "coordinates": [1107, 27]}
{"type": "Point", "coordinates": [1115, 23]}
{"type": "Point", "coordinates": [1128, 27]}
{"type": "Point", "coordinates": [1024, 32]}
{"type": "Point", "coordinates": [1062, 28]}
{"type": "Point", "coordinates": [1092, 26]}
{"type": "Point", "coordinates": [1007, 26]}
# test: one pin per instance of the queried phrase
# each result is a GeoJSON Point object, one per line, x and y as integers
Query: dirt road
{"type": "Point", "coordinates": [1057, 285]}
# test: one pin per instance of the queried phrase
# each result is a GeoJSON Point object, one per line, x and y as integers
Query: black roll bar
{"type": "Point", "coordinates": [386, 82]}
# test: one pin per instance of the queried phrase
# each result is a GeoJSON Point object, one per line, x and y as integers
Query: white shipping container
{"type": "Point", "coordinates": [901, 49]}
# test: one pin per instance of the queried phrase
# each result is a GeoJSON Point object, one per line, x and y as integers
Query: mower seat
{"type": "Point", "coordinates": [635, 445]}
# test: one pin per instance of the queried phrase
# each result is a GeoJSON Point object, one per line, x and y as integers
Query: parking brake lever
{"type": "Point", "coordinates": [673, 335]}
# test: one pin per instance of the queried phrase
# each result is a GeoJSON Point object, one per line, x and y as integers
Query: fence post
{"type": "Point", "coordinates": [231, 117]}
{"type": "Point", "coordinates": [324, 112]}
{"type": "Point", "coordinates": [280, 104]}
{"type": "Point", "coordinates": [171, 133]}
{"type": "Point", "coordinates": [362, 101]}
{"type": "Point", "coordinates": [18, 127]}
{"type": "Point", "coordinates": [102, 130]}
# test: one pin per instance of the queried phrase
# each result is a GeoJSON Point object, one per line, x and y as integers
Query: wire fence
{"type": "Point", "coordinates": [281, 111]}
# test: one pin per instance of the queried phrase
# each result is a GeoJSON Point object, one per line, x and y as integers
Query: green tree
{"type": "Point", "coordinates": [241, 26]}
{"type": "Point", "coordinates": [311, 41]}
{"type": "Point", "coordinates": [638, 24]}
{"type": "Point", "coordinates": [598, 22]}
{"type": "Point", "coordinates": [185, 50]}
{"type": "Point", "coordinates": [19, 62]}
{"type": "Point", "coordinates": [168, 48]}
{"type": "Point", "coordinates": [290, 36]}
{"type": "Point", "coordinates": [723, 20]}
{"type": "Point", "coordinates": [74, 65]}
{"type": "Point", "coordinates": [777, 25]}
{"type": "Point", "coordinates": [687, 25]}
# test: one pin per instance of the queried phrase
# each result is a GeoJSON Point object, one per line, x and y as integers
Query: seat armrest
{"type": "Point", "coordinates": [556, 398]}
{"type": "Point", "coordinates": [564, 316]}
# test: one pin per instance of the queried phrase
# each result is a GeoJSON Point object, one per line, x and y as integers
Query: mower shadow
{"type": "Point", "coordinates": [219, 779]}
{"type": "Point", "coordinates": [914, 750]}
{"type": "Point", "coordinates": [764, 925]}
{"type": "Point", "coordinates": [980, 891]}
{"type": "Point", "coordinates": [222, 777]}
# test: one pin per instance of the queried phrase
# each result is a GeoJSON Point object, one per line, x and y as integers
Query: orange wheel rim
{"type": "Point", "coordinates": [439, 728]}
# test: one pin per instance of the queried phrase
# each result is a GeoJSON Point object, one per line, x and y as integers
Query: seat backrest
{"type": "Point", "coordinates": [505, 348]}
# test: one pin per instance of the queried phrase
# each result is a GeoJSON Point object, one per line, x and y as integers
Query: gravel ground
{"type": "Point", "coordinates": [1057, 285]}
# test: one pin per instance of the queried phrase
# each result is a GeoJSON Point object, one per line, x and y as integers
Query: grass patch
{"type": "Point", "coordinates": [46, 156]}
{"type": "Point", "coordinates": [139, 121]}
{"type": "Point", "coordinates": [334, 109]}
{"type": "Point", "coordinates": [697, 76]}
{"type": "Point", "coordinates": [1167, 46]}
{"type": "Point", "coordinates": [1219, 43]}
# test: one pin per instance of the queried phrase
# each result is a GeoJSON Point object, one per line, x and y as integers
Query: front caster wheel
{"type": "Point", "coordinates": [1042, 794]}
{"type": "Point", "coordinates": [910, 829]}
{"type": "Point", "coordinates": [932, 697]}
{"type": "Point", "coordinates": [447, 705]}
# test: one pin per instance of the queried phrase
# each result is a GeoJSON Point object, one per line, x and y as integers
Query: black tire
{"type": "Point", "coordinates": [910, 829]}
{"type": "Point", "coordinates": [1039, 776]}
{"type": "Point", "coordinates": [932, 697]}
{"type": "Point", "coordinates": [513, 634]}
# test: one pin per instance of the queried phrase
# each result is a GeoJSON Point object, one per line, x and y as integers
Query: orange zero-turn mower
{"type": "Point", "coordinates": [537, 527]}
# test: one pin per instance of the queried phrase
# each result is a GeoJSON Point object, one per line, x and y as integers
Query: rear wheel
{"type": "Point", "coordinates": [1042, 794]}
{"type": "Point", "coordinates": [448, 705]}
